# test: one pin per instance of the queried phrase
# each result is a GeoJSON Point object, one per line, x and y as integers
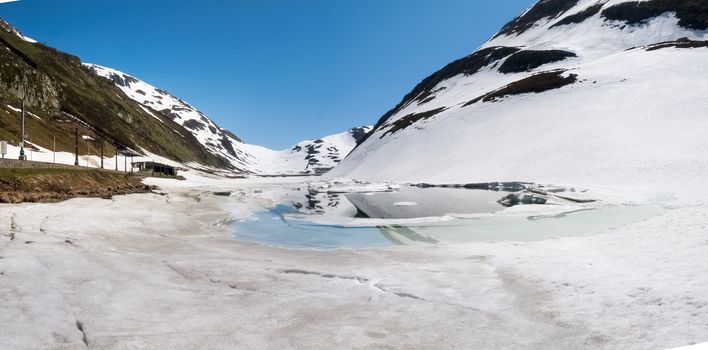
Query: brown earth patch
{"type": "Point", "coordinates": [527, 60]}
{"type": "Point", "coordinates": [534, 84]}
{"type": "Point", "coordinates": [580, 16]}
{"type": "Point", "coordinates": [411, 119]}
{"type": "Point", "coordinates": [548, 9]}
{"type": "Point", "coordinates": [683, 43]}
{"type": "Point", "coordinates": [692, 14]}
{"type": "Point", "coordinates": [54, 185]}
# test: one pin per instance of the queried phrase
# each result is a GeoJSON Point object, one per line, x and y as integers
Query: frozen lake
{"type": "Point", "coordinates": [75, 273]}
{"type": "Point", "coordinates": [413, 216]}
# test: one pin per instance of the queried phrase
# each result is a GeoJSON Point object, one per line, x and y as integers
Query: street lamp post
{"type": "Point", "coordinates": [22, 137]}
{"type": "Point", "coordinates": [76, 145]}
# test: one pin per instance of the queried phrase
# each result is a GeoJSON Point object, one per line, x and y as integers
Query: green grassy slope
{"type": "Point", "coordinates": [65, 94]}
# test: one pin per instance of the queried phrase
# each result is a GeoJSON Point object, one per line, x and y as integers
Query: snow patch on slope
{"type": "Point", "coordinates": [216, 140]}
{"type": "Point", "coordinates": [631, 116]}
{"type": "Point", "coordinates": [310, 157]}
{"type": "Point", "coordinates": [647, 134]}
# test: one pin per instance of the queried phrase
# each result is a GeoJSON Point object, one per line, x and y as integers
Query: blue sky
{"type": "Point", "coordinates": [273, 72]}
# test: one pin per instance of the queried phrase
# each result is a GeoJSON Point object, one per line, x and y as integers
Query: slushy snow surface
{"type": "Point", "coordinates": [165, 273]}
{"type": "Point", "coordinates": [162, 270]}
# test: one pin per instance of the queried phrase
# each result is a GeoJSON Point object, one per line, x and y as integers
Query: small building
{"type": "Point", "coordinates": [157, 169]}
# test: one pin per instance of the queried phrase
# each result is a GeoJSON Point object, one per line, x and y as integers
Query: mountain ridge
{"type": "Point", "coordinates": [121, 113]}
{"type": "Point", "coordinates": [307, 157]}
{"type": "Point", "coordinates": [479, 118]}
{"type": "Point", "coordinates": [66, 96]}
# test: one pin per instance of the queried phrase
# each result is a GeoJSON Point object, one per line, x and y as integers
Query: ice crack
{"type": "Point", "coordinates": [327, 275]}
{"type": "Point", "coordinates": [13, 227]}
{"type": "Point", "coordinates": [398, 294]}
{"type": "Point", "coordinates": [80, 327]}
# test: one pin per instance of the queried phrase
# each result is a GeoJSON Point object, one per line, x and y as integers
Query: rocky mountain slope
{"type": "Point", "coordinates": [160, 104]}
{"type": "Point", "coordinates": [571, 91]}
{"type": "Point", "coordinates": [61, 95]}
{"type": "Point", "coordinates": [309, 157]}
{"type": "Point", "coordinates": [121, 112]}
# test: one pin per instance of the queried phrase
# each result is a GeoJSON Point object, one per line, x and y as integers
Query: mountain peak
{"type": "Point", "coordinates": [10, 29]}
{"type": "Point", "coordinates": [599, 27]}
{"type": "Point", "coordinates": [310, 157]}
{"type": "Point", "coordinates": [557, 94]}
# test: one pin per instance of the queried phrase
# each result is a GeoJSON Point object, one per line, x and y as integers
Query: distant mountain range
{"type": "Point", "coordinates": [575, 91]}
{"type": "Point", "coordinates": [132, 116]}
{"type": "Point", "coordinates": [309, 157]}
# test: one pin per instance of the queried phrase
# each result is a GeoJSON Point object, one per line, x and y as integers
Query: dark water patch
{"type": "Point", "coordinates": [544, 9]}
{"type": "Point", "coordinates": [527, 60]}
{"type": "Point", "coordinates": [692, 14]}
{"type": "Point", "coordinates": [579, 17]}
{"type": "Point", "coordinates": [534, 84]}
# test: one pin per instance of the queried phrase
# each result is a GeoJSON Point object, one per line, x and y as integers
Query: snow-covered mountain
{"type": "Point", "coordinates": [216, 140]}
{"type": "Point", "coordinates": [571, 91]}
{"type": "Point", "coordinates": [310, 157]}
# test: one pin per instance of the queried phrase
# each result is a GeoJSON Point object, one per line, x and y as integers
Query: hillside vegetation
{"type": "Point", "coordinates": [62, 94]}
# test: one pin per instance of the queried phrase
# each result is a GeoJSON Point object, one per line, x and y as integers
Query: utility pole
{"type": "Point", "coordinates": [76, 144]}
{"type": "Point", "coordinates": [102, 154]}
{"type": "Point", "coordinates": [54, 150]}
{"type": "Point", "coordinates": [116, 158]}
{"type": "Point", "coordinates": [22, 138]}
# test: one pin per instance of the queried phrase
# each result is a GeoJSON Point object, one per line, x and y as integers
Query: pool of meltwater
{"type": "Point", "coordinates": [291, 224]}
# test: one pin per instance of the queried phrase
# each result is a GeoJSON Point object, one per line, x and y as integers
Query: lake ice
{"type": "Point", "coordinates": [301, 219]}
